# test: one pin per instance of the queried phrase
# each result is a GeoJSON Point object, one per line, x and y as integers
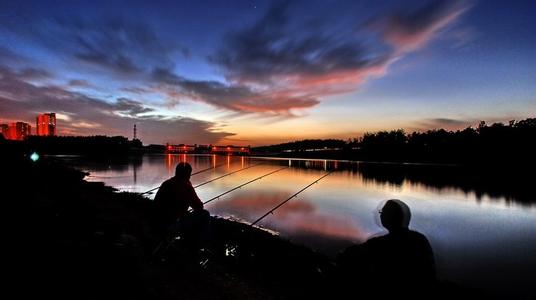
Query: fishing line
{"type": "Point", "coordinates": [237, 187]}
{"type": "Point", "coordinates": [225, 175]}
{"type": "Point", "coordinates": [288, 199]}
{"type": "Point", "coordinates": [198, 172]}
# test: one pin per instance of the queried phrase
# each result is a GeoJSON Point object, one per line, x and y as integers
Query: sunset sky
{"type": "Point", "coordinates": [263, 72]}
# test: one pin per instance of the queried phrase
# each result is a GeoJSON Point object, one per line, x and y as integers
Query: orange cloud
{"type": "Point", "coordinates": [412, 31]}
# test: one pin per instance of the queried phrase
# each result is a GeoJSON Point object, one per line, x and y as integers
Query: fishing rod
{"type": "Point", "coordinates": [225, 175]}
{"type": "Point", "coordinates": [243, 184]}
{"type": "Point", "coordinates": [288, 199]}
{"type": "Point", "coordinates": [198, 172]}
{"type": "Point", "coordinates": [222, 194]}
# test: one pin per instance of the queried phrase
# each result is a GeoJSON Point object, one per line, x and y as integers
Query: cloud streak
{"type": "Point", "coordinates": [302, 67]}
{"type": "Point", "coordinates": [411, 30]}
{"type": "Point", "coordinates": [235, 97]}
{"type": "Point", "coordinates": [118, 45]}
{"type": "Point", "coordinates": [110, 44]}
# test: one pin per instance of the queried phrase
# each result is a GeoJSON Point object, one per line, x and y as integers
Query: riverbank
{"type": "Point", "coordinates": [72, 238]}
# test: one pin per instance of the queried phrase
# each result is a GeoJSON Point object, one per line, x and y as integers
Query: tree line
{"type": "Point", "coordinates": [95, 145]}
{"type": "Point", "coordinates": [496, 143]}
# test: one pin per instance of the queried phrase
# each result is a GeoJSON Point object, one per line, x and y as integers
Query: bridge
{"type": "Point", "coordinates": [208, 149]}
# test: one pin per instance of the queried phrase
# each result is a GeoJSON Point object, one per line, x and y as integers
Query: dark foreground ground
{"type": "Point", "coordinates": [68, 238]}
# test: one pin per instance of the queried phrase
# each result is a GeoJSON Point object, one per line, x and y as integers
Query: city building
{"type": "Point", "coordinates": [3, 129]}
{"type": "Point", "coordinates": [46, 124]}
{"type": "Point", "coordinates": [18, 131]}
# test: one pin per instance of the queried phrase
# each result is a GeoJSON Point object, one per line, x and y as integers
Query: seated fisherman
{"type": "Point", "coordinates": [399, 262]}
{"type": "Point", "coordinates": [172, 201]}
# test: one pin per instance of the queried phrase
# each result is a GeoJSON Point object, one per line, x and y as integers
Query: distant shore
{"type": "Point", "coordinates": [507, 146]}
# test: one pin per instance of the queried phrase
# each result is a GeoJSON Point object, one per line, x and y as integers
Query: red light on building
{"type": "Point", "coordinates": [46, 124]}
{"type": "Point", "coordinates": [3, 129]}
{"type": "Point", "coordinates": [18, 131]}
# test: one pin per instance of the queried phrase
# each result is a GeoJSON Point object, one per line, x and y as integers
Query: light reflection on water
{"type": "Point", "coordinates": [479, 240]}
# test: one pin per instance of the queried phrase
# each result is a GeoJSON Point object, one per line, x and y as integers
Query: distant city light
{"type": "Point", "coordinates": [34, 157]}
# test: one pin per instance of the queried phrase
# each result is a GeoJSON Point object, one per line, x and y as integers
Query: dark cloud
{"type": "Point", "coordinates": [448, 121]}
{"type": "Point", "coordinates": [79, 83]}
{"type": "Point", "coordinates": [80, 114]}
{"type": "Point", "coordinates": [445, 123]}
{"type": "Point", "coordinates": [113, 61]}
{"type": "Point", "coordinates": [178, 130]}
{"type": "Point", "coordinates": [8, 56]}
{"type": "Point", "coordinates": [135, 90]}
{"type": "Point", "coordinates": [120, 45]}
{"type": "Point", "coordinates": [236, 97]}
{"type": "Point", "coordinates": [28, 73]}
{"type": "Point", "coordinates": [212, 92]}
{"type": "Point", "coordinates": [131, 107]}
{"type": "Point", "coordinates": [271, 48]}
{"type": "Point", "coordinates": [34, 73]}
{"type": "Point", "coordinates": [26, 96]}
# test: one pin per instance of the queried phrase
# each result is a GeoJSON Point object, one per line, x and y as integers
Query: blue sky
{"type": "Point", "coordinates": [262, 72]}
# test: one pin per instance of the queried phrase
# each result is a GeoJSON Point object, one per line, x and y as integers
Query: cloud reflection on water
{"type": "Point", "coordinates": [296, 217]}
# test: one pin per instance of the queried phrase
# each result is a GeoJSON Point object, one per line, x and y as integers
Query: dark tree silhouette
{"type": "Point", "coordinates": [99, 145]}
{"type": "Point", "coordinates": [500, 144]}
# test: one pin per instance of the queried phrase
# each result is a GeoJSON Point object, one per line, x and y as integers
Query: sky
{"type": "Point", "coordinates": [265, 72]}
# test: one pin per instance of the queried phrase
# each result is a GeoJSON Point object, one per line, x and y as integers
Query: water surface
{"type": "Point", "coordinates": [480, 239]}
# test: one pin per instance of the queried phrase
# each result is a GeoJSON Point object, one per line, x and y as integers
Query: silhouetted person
{"type": "Point", "coordinates": [399, 262]}
{"type": "Point", "coordinates": [172, 201]}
